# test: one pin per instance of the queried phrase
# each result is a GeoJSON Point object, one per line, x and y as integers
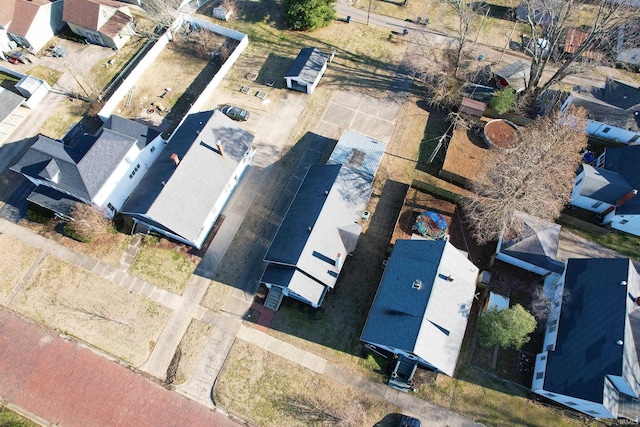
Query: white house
{"type": "Point", "coordinates": [589, 361]}
{"type": "Point", "coordinates": [422, 305]}
{"type": "Point", "coordinates": [613, 110]}
{"type": "Point", "coordinates": [322, 225]}
{"type": "Point", "coordinates": [183, 193]}
{"type": "Point", "coordinates": [29, 23]}
{"type": "Point", "coordinates": [105, 22]}
{"type": "Point", "coordinates": [307, 70]}
{"type": "Point", "coordinates": [611, 191]}
{"type": "Point", "coordinates": [101, 169]}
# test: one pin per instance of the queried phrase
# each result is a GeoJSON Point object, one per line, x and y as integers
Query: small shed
{"type": "Point", "coordinates": [307, 70]}
{"type": "Point", "coordinates": [515, 75]}
{"type": "Point", "coordinates": [33, 89]}
{"type": "Point", "coordinates": [222, 12]}
{"type": "Point", "coordinates": [472, 107]}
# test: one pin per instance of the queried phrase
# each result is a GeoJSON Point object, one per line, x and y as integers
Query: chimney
{"type": "Point", "coordinates": [337, 263]}
{"type": "Point", "coordinates": [175, 158]}
{"type": "Point", "coordinates": [637, 300]}
{"type": "Point", "coordinates": [622, 200]}
{"type": "Point", "coordinates": [219, 146]}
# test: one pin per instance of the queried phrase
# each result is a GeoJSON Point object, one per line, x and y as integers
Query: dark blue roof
{"type": "Point", "coordinates": [398, 310]}
{"type": "Point", "coordinates": [625, 160]}
{"type": "Point", "coordinates": [592, 320]}
{"type": "Point", "coordinates": [292, 236]}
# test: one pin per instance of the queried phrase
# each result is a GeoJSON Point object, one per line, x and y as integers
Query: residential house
{"type": "Point", "coordinates": [534, 249]}
{"type": "Point", "coordinates": [322, 224]}
{"type": "Point", "coordinates": [101, 169]}
{"type": "Point", "coordinates": [307, 70]}
{"type": "Point", "coordinates": [610, 191]}
{"type": "Point", "coordinates": [589, 360]}
{"type": "Point", "coordinates": [183, 193]}
{"type": "Point", "coordinates": [29, 23]}
{"type": "Point", "coordinates": [574, 39]}
{"type": "Point", "coordinates": [613, 110]}
{"type": "Point", "coordinates": [422, 306]}
{"type": "Point", "coordinates": [105, 22]}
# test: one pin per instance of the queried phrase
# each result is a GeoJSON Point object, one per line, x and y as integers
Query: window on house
{"type": "Point", "coordinates": [606, 130]}
{"type": "Point", "coordinates": [596, 204]}
{"type": "Point", "coordinates": [550, 347]}
{"type": "Point", "coordinates": [592, 412]}
{"type": "Point", "coordinates": [111, 207]}
{"type": "Point", "coordinates": [552, 328]}
{"type": "Point", "coordinates": [578, 181]}
{"type": "Point", "coordinates": [570, 403]}
{"type": "Point", "coordinates": [153, 148]}
{"type": "Point", "coordinates": [624, 221]}
{"type": "Point", "coordinates": [550, 394]}
{"type": "Point", "coordinates": [540, 375]}
{"type": "Point", "coordinates": [543, 358]}
{"type": "Point", "coordinates": [635, 138]}
{"type": "Point", "coordinates": [133, 172]}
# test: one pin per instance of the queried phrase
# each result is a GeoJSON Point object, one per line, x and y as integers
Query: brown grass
{"type": "Point", "coordinates": [192, 345]}
{"type": "Point", "coordinates": [93, 309]}
{"type": "Point", "coordinates": [108, 248]}
{"type": "Point", "coordinates": [49, 75]}
{"type": "Point", "coordinates": [16, 259]}
{"type": "Point", "coordinates": [464, 158]}
{"type": "Point", "coordinates": [67, 113]}
{"type": "Point", "coordinates": [272, 388]}
{"type": "Point", "coordinates": [163, 266]}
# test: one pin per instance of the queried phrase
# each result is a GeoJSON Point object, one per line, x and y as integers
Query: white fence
{"type": "Point", "coordinates": [162, 42]}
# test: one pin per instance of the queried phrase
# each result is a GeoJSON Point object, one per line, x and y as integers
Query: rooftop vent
{"type": "Point", "coordinates": [623, 283]}
{"type": "Point", "coordinates": [309, 229]}
{"type": "Point", "coordinates": [619, 342]}
{"type": "Point", "coordinates": [417, 284]}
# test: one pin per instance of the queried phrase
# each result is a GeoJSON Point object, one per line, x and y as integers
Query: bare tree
{"type": "Point", "coordinates": [548, 22]}
{"type": "Point", "coordinates": [89, 223]}
{"type": "Point", "coordinates": [465, 14]}
{"type": "Point", "coordinates": [162, 12]}
{"type": "Point", "coordinates": [535, 177]}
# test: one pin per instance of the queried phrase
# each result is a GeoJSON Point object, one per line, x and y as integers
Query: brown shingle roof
{"type": "Point", "coordinates": [574, 39]}
{"type": "Point", "coordinates": [86, 13]}
{"type": "Point", "coordinates": [116, 23]}
{"type": "Point", "coordinates": [6, 11]}
{"type": "Point", "coordinates": [23, 15]}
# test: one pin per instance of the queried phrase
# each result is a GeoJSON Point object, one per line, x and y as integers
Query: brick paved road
{"type": "Point", "coordinates": [69, 385]}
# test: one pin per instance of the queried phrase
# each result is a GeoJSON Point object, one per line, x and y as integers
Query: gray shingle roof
{"type": "Point", "coordinates": [308, 64]}
{"type": "Point", "coordinates": [330, 197]}
{"type": "Point", "coordinates": [615, 104]}
{"type": "Point", "coordinates": [181, 197]}
{"type": "Point", "coordinates": [9, 101]}
{"type": "Point", "coordinates": [516, 74]}
{"type": "Point", "coordinates": [537, 244]}
{"type": "Point", "coordinates": [429, 321]}
{"type": "Point", "coordinates": [82, 168]}
{"type": "Point", "coordinates": [592, 321]}
{"type": "Point", "coordinates": [625, 160]}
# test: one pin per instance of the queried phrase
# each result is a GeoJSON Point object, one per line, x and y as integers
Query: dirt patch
{"type": "Point", "coordinates": [192, 345]}
{"type": "Point", "coordinates": [164, 264]}
{"type": "Point", "coordinates": [275, 392]}
{"type": "Point", "coordinates": [16, 259]}
{"type": "Point", "coordinates": [81, 304]}
{"type": "Point", "coordinates": [501, 134]}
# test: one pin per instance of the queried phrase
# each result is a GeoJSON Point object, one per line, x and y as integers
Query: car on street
{"type": "Point", "coordinates": [235, 113]}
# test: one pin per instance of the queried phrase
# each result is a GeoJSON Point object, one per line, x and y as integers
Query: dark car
{"type": "Point", "coordinates": [235, 113]}
{"type": "Point", "coordinates": [406, 421]}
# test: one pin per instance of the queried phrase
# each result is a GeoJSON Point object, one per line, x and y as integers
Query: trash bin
{"type": "Point", "coordinates": [480, 57]}
{"type": "Point", "coordinates": [348, 19]}
{"type": "Point", "coordinates": [405, 32]}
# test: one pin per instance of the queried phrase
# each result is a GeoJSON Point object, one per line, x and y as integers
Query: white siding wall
{"type": "Point", "coordinates": [627, 223]}
{"type": "Point", "coordinates": [590, 204]}
{"type": "Point", "coordinates": [603, 130]}
{"type": "Point", "coordinates": [47, 22]}
{"type": "Point", "coordinates": [521, 264]}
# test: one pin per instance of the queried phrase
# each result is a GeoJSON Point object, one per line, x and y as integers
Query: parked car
{"type": "Point", "coordinates": [235, 113]}
{"type": "Point", "coordinates": [407, 421]}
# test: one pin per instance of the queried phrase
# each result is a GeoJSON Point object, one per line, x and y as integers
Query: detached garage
{"type": "Point", "coordinates": [307, 70]}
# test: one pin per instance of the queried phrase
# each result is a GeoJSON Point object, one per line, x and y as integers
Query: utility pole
{"type": "Point", "coordinates": [369, 12]}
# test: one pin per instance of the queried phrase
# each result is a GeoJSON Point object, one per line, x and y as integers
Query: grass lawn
{"type": "Point", "coordinates": [49, 75]}
{"type": "Point", "coordinates": [68, 113]}
{"type": "Point", "coordinates": [16, 259]}
{"type": "Point", "coordinates": [623, 243]}
{"type": "Point", "coordinates": [192, 345]}
{"type": "Point", "coordinates": [160, 263]}
{"type": "Point", "coordinates": [275, 392]}
{"type": "Point", "coordinates": [92, 309]}
{"type": "Point", "coordinates": [8, 82]}
{"type": "Point", "coordinates": [8, 418]}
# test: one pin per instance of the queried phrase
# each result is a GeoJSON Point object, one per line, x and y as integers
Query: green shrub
{"type": "Point", "coordinates": [503, 100]}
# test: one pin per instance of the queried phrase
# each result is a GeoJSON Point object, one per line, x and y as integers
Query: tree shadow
{"type": "Point", "coordinates": [430, 160]}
